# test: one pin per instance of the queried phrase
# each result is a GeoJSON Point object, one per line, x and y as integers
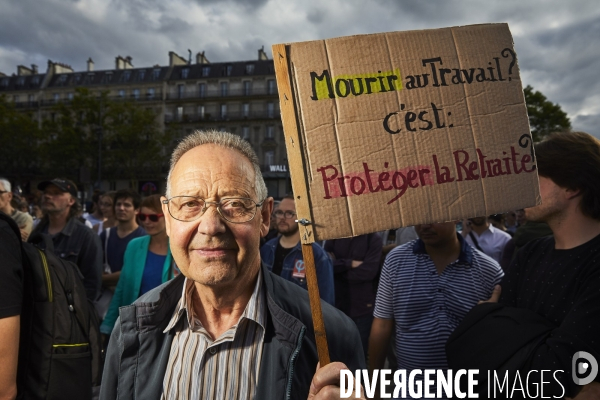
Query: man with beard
{"type": "Point", "coordinates": [72, 240]}
{"type": "Point", "coordinates": [558, 277]}
{"type": "Point", "coordinates": [486, 238]}
{"type": "Point", "coordinates": [283, 255]}
{"type": "Point", "coordinates": [426, 287]}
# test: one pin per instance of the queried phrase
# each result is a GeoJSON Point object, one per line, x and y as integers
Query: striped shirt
{"type": "Point", "coordinates": [225, 368]}
{"type": "Point", "coordinates": [427, 306]}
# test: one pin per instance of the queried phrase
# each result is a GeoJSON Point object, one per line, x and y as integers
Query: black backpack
{"type": "Point", "coordinates": [60, 350]}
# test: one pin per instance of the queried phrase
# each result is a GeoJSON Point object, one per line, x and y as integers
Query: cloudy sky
{"type": "Point", "coordinates": [557, 41]}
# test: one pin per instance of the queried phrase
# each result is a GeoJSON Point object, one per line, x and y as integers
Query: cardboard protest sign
{"type": "Point", "coordinates": [402, 128]}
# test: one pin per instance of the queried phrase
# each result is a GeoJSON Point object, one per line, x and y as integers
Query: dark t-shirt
{"type": "Point", "coordinates": [280, 254]}
{"type": "Point", "coordinates": [117, 246]}
{"type": "Point", "coordinates": [564, 287]}
{"type": "Point", "coordinates": [11, 272]}
{"type": "Point", "coordinates": [153, 270]}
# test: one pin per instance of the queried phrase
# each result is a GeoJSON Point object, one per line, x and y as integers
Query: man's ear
{"type": "Point", "coordinates": [265, 213]}
{"type": "Point", "coordinates": [572, 193]}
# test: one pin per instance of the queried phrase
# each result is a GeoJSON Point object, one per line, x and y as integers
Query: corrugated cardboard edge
{"type": "Point", "coordinates": [292, 141]}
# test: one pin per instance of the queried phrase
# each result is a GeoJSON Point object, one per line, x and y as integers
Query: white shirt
{"type": "Point", "coordinates": [491, 241]}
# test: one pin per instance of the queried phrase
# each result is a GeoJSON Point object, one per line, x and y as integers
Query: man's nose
{"type": "Point", "coordinates": [211, 222]}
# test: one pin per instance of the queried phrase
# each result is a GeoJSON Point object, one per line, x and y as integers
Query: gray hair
{"type": "Point", "coordinates": [6, 184]}
{"type": "Point", "coordinates": [223, 139]}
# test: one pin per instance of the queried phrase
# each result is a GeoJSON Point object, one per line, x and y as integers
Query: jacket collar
{"type": "Point", "coordinates": [151, 313]}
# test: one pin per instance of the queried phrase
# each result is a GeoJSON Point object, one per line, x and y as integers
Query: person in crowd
{"type": "Point", "coordinates": [11, 299]}
{"type": "Point", "coordinates": [72, 240]}
{"type": "Point", "coordinates": [356, 265]}
{"type": "Point", "coordinates": [106, 203]}
{"type": "Point", "coordinates": [396, 237]}
{"type": "Point", "coordinates": [282, 255]}
{"type": "Point", "coordinates": [525, 233]}
{"type": "Point", "coordinates": [426, 287]}
{"type": "Point", "coordinates": [95, 217]}
{"type": "Point", "coordinates": [510, 222]}
{"type": "Point", "coordinates": [115, 240]}
{"type": "Point", "coordinates": [37, 214]}
{"type": "Point", "coordinates": [483, 236]}
{"type": "Point", "coordinates": [224, 328]}
{"type": "Point", "coordinates": [498, 222]}
{"type": "Point", "coordinates": [558, 277]}
{"type": "Point", "coordinates": [23, 219]}
{"type": "Point", "coordinates": [147, 263]}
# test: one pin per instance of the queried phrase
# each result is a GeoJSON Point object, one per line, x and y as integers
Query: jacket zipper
{"type": "Point", "coordinates": [47, 273]}
{"type": "Point", "coordinates": [288, 389]}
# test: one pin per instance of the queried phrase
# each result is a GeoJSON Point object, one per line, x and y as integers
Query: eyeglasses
{"type": "Point", "coordinates": [3, 191]}
{"type": "Point", "coordinates": [151, 217]}
{"type": "Point", "coordinates": [281, 214]}
{"type": "Point", "coordinates": [189, 208]}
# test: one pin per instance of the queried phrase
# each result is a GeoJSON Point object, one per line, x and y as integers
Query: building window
{"type": "Point", "coordinates": [16, 98]}
{"type": "Point", "coordinates": [247, 88]}
{"type": "Point", "coordinates": [4, 82]}
{"type": "Point", "coordinates": [249, 69]}
{"type": "Point", "coordinates": [270, 132]}
{"type": "Point", "coordinates": [246, 132]}
{"type": "Point", "coordinates": [30, 98]}
{"type": "Point", "coordinates": [202, 89]}
{"type": "Point", "coordinates": [222, 129]}
{"type": "Point", "coordinates": [228, 70]}
{"type": "Point", "coordinates": [223, 110]}
{"type": "Point", "coordinates": [141, 75]}
{"type": "Point", "coordinates": [270, 110]}
{"type": "Point", "coordinates": [184, 73]}
{"type": "Point", "coordinates": [271, 88]}
{"type": "Point", "coordinates": [205, 71]}
{"type": "Point", "coordinates": [56, 97]}
{"type": "Point", "coordinates": [180, 91]}
{"type": "Point", "coordinates": [21, 81]}
{"type": "Point", "coordinates": [121, 93]}
{"type": "Point", "coordinates": [77, 78]}
{"type": "Point", "coordinates": [201, 112]}
{"type": "Point", "coordinates": [179, 113]}
{"type": "Point", "coordinates": [155, 73]}
{"type": "Point", "coordinates": [246, 110]}
{"type": "Point", "coordinates": [126, 76]}
{"type": "Point", "coordinates": [70, 96]}
{"type": "Point", "coordinates": [106, 78]}
{"type": "Point", "coordinates": [62, 79]}
{"type": "Point", "coordinates": [136, 94]}
{"type": "Point", "coordinates": [150, 93]}
{"type": "Point", "coordinates": [224, 86]}
{"type": "Point", "coordinates": [269, 157]}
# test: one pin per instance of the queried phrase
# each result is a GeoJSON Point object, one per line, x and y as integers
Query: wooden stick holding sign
{"type": "Point", "coordinates": [293, 144]}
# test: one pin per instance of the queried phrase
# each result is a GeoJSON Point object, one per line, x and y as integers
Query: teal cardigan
{"type": "Point", "coordinates": [130, 281]}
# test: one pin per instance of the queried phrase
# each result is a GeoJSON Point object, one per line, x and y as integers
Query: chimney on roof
{"type": "Point", "coordinates": [58, 68]}
{"type": "Point", "coordinates": [201, 59]}
{"type": "Point", "coordinates": [34, 69]}
{"type": "Point", "coordinates": [261, 54]}
{"type": "Point", "coordinates": [123, 63]}
{"type": "Point", "coordinates": [23, 70]}
{"type": "Point", "coordinates": [175, 59]}
{"type": "Point", "coordinates": [90, 64]}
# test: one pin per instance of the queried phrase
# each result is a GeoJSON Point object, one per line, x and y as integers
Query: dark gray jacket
{"type": "Point", "coordinates": [139, 350]}
{"type": "Point", "coordinates": [79, 244]}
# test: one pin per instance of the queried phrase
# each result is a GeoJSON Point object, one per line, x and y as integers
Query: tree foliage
{"type": "Point", "coordinates": [125, 136]}
{"type": "Point", "coordinates": [19, 133]}
{"type": "Point", "coordinates": [545, 117]}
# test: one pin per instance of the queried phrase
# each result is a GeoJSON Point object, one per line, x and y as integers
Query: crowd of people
{"type": "Point", "coordinates": [233, 319]}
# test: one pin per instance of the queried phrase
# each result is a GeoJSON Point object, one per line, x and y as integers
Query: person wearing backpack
{"type": "Point", "coordinates": [11, 297]}
{"type": "Point", "coordinates": [72, 240]}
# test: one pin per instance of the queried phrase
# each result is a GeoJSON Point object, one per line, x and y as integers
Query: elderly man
{"type": "Point", "coordinates": [23, 219]}
{"type": "Point", "coordinates": [226, 328]}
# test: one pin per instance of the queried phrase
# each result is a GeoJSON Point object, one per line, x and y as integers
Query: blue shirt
{"type": "Point", "coordinates": [153, 271]}
{"type": "Point", "coordinates": [293, 267]}
{"type": "Point", "coordinates": [117, 246]}
{"type": "Point", "coordinates": [427, 306]}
